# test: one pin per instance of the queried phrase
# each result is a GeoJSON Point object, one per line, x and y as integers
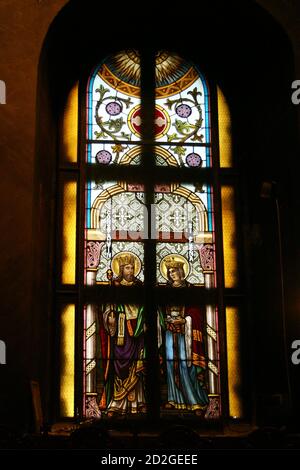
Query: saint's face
{"type": "Point", "coordinates": [128, 272]}
{"type": "Point", "coordinates": [175, 274]}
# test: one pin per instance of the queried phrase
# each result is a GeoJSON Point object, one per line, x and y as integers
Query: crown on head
{"type": "Point", "coordinates": [125, 259]}
{"type": "Point", "coordinates": [172, 263]}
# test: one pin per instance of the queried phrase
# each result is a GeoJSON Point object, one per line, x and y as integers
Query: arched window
{"type": "Point", "coordinates": [148, 256]}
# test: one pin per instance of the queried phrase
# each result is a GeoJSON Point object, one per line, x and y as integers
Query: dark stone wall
{"type": "Point", "coordinates": [238, 45]}
{"type": "Point", "coordinates": [23, 29]}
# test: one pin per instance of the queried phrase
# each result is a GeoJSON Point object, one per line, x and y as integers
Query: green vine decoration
{"type": "Point", "coordinates": [185, 130]}
{"type": "Point", "coordinates": [180, 152]}
{"type": "Point", "coordinates": [113, 127]}
{"type": "Point", "coordinates": [118, 149]}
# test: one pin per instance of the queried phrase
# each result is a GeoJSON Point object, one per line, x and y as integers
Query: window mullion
{"type": "Point", "coordinates": [148, 164]}
{"type": "Point", "coordinates": [219, 251]}
{"type": "Point", "coordinates": [81, 301]}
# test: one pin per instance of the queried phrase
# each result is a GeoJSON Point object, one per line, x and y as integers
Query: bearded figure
{"type": "Point", "coordinates": [123, 345]}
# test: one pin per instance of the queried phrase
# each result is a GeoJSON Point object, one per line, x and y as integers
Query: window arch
{"type": "Point", "coordinates": [145, 190]}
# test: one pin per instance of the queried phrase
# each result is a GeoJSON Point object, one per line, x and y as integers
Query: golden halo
{"type": "Point", "coordinates": [176, 258]}
{"type": "Point", "coordinates": [115, 264]}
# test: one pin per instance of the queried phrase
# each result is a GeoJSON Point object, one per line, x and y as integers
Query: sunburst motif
{"type": "Point", "coordinates": [126, 66]}
{"type": "Point", "coordinates": [169, 68]}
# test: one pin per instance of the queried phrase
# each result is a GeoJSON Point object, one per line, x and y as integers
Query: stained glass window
{"type": "Point", "coordinates": [184, 221]}
{"type": "Point", "coordinates": [182, 113]}
{"type": "Point", "coordinates": [114, 225]}
{"type": "Point", "coordinates": [148, 261]}
{"type": "Point", "coordinates": [113, 111]}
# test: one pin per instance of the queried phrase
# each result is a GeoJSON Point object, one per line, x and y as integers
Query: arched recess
{"type": "Point", "coordinates": [70, 43]}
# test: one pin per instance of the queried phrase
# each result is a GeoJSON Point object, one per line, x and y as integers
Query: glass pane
{"type": "Point", "coordinates": [181, 155]}
{"type": "Point", "coordinates": [233, 362]}
{"type": "Point", "coordinates": [114, 109]}
{"type": "Point", "coordinates": [114, 232]}
{"type": "Point", "coordinates": [229, 237]}
{"type": "Point", "coordinates": [182, 114]}
{"type": "Point", "coordinates": [189, 372]}
{"type": "Point", "coordinates": [69, 207]}
{"type": "Point", "coordinates": [224, 121]}
{"type": "Point", "coordinates": [185, 234]}
{"type": "Point", "coordinates": [67, 367]}
{"type": "Point", "coordinates": [114, 360]}
{"type": "Point", "coordinates": [69, 129]}
{"type": "Point", "coordinates": [112, 154]}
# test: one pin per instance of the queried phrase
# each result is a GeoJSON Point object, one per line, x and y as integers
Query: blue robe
{"type": "Point", "coordinates": [185, 393]}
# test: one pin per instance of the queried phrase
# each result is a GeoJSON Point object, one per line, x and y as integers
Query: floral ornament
{"type": "Point", "coordinates": [118, 149]}
{"type": "Point", "coordinates": [113, 127]}
{"type": "Point", "coordinates": [186, 130]}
